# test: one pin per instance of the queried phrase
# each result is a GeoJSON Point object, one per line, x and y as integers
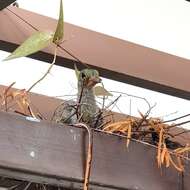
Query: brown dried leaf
{"type": "Point", "coordinates": [160, 147]}
{"type": "Point", "coordinates": [167, 159]}
{"type": "Point", "coordinates": [4, 97]}
{"type": "Point", "coordinates": [182, 150]}
{"type": "Point", "coordinates": [175, 165]}
{"type": "Point", "coordinates": [114, 126]}
{"type": "Point", "coordinates": [8, 88]}
{"type": "Point", "coordinates": [163, 154]}
{"type": "Point", "coordinates": [16, 93]}
{"type": "Point", "coordinates": [129, 135]}
{"type": "Point", "coordinates": [180, 163]}
{"type": "Point", "coordinates": [121, 126]}
{"type": "Point", "coordinates": [31, 112]}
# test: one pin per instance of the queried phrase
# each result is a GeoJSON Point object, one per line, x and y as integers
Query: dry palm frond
{"type": "Point", "coordinates": [182, 150]}
{"type": "Point", "coordinates": [124, 127]}
{"type": "Point", "coordinates": [160, 146]}
{"type": "Point", "coordinates": [178, 167]}
{"type": "Point", "coordinates": [167, 157]}
{"type": "Point", "coordinates": [129, 135]}
{"type": "Point", "coordinates": [164, 155]}
{"type": "Point", "coordinates": [5, 95]}
{"type": "Point", "coordinates": [19, 98]}
{"type": "Point", "coordinates": [164, 158]}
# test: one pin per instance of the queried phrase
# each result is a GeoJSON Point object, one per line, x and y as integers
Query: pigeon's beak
{"type": "Point", "coordinates": [96, 80]}
{"type": "Point", "coordinates": [93, 81]}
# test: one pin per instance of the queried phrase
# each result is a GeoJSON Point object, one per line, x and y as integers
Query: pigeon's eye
{"type": "Point", "coordinates": [83, 76]}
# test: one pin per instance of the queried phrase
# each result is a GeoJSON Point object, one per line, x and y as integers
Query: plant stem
{"type": "Point", "coordinates": [48, 71]}
{"type": "Point", "coordinates": [89, 154]}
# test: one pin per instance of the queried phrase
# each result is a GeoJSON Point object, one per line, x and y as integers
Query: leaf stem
{"type": "Point", "coordinates": [48, 71]}
{"type": "Point", "coordinates": [89, 154]}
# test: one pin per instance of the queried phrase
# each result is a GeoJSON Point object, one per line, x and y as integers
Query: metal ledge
{"type": "Point", "coordinates": [58, 157]}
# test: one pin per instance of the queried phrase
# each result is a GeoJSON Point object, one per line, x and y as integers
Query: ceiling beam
{"type": "Point", "coordinates": [5, 3]}
{"type": "Point", "coordinates": [114, 58]}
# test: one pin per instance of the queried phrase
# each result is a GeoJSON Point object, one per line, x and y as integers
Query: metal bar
{"type": "Point", "coordinates": [44, 152]}
{"type": "Point", "coordinates": [116, 59]}
{"type": "Point", "coordinates": [5, 3]}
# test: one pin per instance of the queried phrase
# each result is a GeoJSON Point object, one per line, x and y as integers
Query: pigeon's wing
{"type": "Point", "coordinates": [65, 113]}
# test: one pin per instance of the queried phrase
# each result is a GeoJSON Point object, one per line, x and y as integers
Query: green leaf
{"type": "Point", "coordinates": [77, 72]}
{"type": "Point", "coordinates": [101, 91]}
{"type": "Point", "coordinates": [34, 43]}
{"type": "Point", "coordinates": [59, 33]}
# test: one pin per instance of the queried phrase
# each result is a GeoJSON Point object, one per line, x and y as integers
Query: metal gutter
{"type": "Point", "coordinates": [59, 156]}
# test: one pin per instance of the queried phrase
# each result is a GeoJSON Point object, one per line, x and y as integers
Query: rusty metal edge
{"type": "Point", "coordinates": [41, 178]}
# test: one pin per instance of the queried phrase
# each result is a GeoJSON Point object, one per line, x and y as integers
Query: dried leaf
{"type": "Point", "coordinates": [175, 165]}
{"type": "Point", "coordinates": [22, 100]}
{"type": "Point", "coordinates": [34, 43]}
{"type": "Point", "coordinates": [31, 112]}
{"type": "Point", "coordinates": [160, 147]}
{"type": "Point", "coordinates": [115, 126]}
{"type": "Point", "coordinates": [182, 150]}
{"type": "Point", "coordinates": [129, 135]}
{"type": "Point", "coordinates": [59, 33]}
{"type": "Point", "coordinates": [180, 163]}
{"type": "Point", "coordinates": [77, 72]}
{"type": "Point", "coordinates": [21, 106]}
{"type": "Point", "coordinates": [6, 95]}
{"type": "Point", "coordinates": [16, 93]}
{"type": "Point", "coordinates": [167, 159]}
{"type": "Point", "coordinates": [8, 88]}
{"type": "Point", "coordinates": [101, 91]}
{"type": "Point", "coordinates": [163, 154]}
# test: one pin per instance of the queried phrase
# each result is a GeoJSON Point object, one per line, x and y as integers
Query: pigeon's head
{"type": "Point", "coordinates": [89, 78]}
